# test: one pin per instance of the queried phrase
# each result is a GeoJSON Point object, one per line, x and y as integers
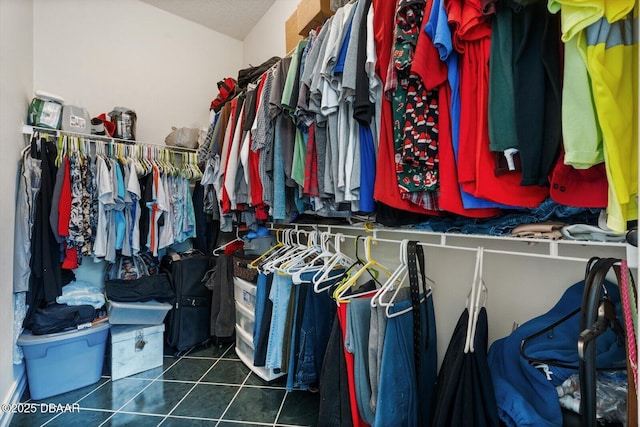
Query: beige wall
{"type": "Point", "coordinates": [105, 53]}
{"type": "Point", "coordinates": [267, 39]}
{"type": "Point", "coordinates": [16, 83]}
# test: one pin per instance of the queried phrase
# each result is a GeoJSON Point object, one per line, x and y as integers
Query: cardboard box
{"type": "Point", "coordinates": [135, 349]}
{"type": "Point", "coordinates": [58, 363]}
{"type": "Point", "coordinates": [311, 14]}
{"type": "Point", "coordinates": [291, 32]}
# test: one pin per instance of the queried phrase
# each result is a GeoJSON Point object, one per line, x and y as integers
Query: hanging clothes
{"type": "Point", "coordinates": [385, 189]}
{"type": "Point", "coordinates": [46, 279]}
{"type": "Point", "coordinates": [436, 63]}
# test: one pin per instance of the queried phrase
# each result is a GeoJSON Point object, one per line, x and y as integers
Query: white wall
{"type": "Point", "coordinates": [16, 83]}
{"type": "Point", "coordinates": [105, 53]}
{"type": "Point", "coordinates": [267, 38]}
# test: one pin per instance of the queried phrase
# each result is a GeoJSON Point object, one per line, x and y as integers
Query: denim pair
{"type": "Point", "coordinates": [356, 342]}
{"type": "Point", "coordinates": [548, 210]}
{"type": "Point", "coordinates": [315, 328]}
{"type": "Point", "coordinates": [404, 397]}
{"type": "Point", "coordinates": [279, 296]}
{"type": "Point", "coordinates": [262, 324]}
{"type": "Point", "coordinates": [296, 306]}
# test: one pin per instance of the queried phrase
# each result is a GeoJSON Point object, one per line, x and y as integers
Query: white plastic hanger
{"type": "Point", "coordinates": [333, 268]}
{"type": "Point", "coordinates": [273, 250]}
{"type": "Point", "coordinates": [389, 304]}
{"type": "Point", "coordinates": [478, 289]}
{"type": "Point", "coordinates": [340, 293]}
{"type": "Point", "coordinates": [302, 257]}
{"type": "Point", "coordinates": [295, 247]}
{"type": "Point", "coordinates": [315, 263]}
{"type": "Point", "coordinates": [396, 278]}
{"type": "Point", "coordinates": [286, 245]}
{"type": "Point", "coordinates": [216, 251]}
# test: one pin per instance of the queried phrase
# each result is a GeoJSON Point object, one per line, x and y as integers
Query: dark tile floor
{"type": "Point", "coordinates": [205, 387]}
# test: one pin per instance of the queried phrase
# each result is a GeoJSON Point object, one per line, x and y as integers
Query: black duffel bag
{"type": "Point", "coordinates": [144, 288]}
{"type": "Point", "coordinates": [60, 317]}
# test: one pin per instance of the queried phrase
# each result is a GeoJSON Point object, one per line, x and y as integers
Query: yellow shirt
{"type": "Point", "coordinates": [579, 14]}
{"type": "Point", "coordinates": [612, 62]}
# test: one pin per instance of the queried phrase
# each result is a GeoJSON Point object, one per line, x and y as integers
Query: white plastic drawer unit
{"type": "Point", "coordinates": [245, 318]}
{"type": "Point", "coordinates": [244, 350]}
{"type": "Point", "coordinates": [245, 293]}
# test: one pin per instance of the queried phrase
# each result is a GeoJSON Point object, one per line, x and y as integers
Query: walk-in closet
{"type": "Point", "coordinates": [327, 213]}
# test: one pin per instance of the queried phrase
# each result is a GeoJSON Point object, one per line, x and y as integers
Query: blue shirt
{"type": "Point", "coordinates": [437, 28]}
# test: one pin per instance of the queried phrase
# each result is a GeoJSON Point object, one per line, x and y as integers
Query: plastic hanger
{"type": "Point", "coordinates": [296, 248]}
{"type": "Point", "coordinates": [305, 259]}
{"type": "Point", "coordinates": [216, 251]}
{"type": "Point", "coordinates": [318, 261]}
{"type": "Point", "coordinates": [287, 245]}
{"type": "Point", "coordinates": [302, 258]}
{"type": "Point", "coordinates": [478, 289]}
{"type": "Point", "coordinates": [62, 150]}
{"type": "Point", "coordinates": [340, 292]}
{"type": "Point", "coordinates": [397, 277]}
{"type": "Point", "coordinates": [389, 304]}
{"type": "Point", "coordinates": [273, 249]}
{"type": "Point", "coordinates": [349, 269]}
{"type": "Point", "coordinates": [336, 264]}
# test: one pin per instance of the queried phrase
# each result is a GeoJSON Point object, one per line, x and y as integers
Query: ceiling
{"type": "Point", "coordinates": [234, 18]}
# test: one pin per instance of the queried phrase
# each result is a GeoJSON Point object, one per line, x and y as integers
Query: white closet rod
{"type": "Point", "coordinates": [553, 244]}
{"type": "Point", "coordinates": [29, 130]}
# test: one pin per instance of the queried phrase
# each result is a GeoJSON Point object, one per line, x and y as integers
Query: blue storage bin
{"type": "Point", "coordinates": [58, 363]}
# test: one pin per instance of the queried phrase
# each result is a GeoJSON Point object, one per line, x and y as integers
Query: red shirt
{"type": "Point", "coordinates": [476, 163]}
{"type": "Point", "coordinates": [254, 159]}
{"type": "Point", "coordinates": [427, 64]}
{"type": "Point", "coordinates": [226, 202]}
{"type": "Point", "coordinates": [386, 188]}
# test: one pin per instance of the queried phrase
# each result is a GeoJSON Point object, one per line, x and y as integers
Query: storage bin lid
{"type": "Point", "coordinates": [27, 338]}
{"type": "Point", "coordinates": [129, 332]}
{"type": "Point", "coordinates": [146, 305]}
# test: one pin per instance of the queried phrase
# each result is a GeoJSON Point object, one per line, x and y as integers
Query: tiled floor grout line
{"type": "Point", "coordinates": [138, 393]}
{"type": "Point", "coordinates": [77, 401]}
{"type": "Point", "coordinates": [192, 388]}
{"type": "Point", "coordinates": [280, 409]}
{"type": "Point", "coordinates": [234, 398]}
{"type": "Point", "coordinates": [190, 384]}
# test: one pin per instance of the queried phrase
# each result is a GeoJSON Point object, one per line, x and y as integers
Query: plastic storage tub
{"type": "Point", "coordinates": [58, 363]}
{"type": "Point", "coordinates": [137, 313]}
{"type": "Point", "coordinates": [135, 348]}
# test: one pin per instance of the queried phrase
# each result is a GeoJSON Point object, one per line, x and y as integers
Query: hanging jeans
{"type": "Point", "coordinates": [357, 343]}
{"type": "Point", "coordinates": [319, 312]}
{"type": "Point", "coordinates": [335, 409]}
{"type": "Point", "coordinates": [262, 324]}
{"type": "Point", "coordinates": [404, 399]}
{"type": "Point", "coordinates": [279, 296]}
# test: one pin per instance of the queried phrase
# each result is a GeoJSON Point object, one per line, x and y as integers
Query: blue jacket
{"type": "Point", "coordinates": [524, 394]}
